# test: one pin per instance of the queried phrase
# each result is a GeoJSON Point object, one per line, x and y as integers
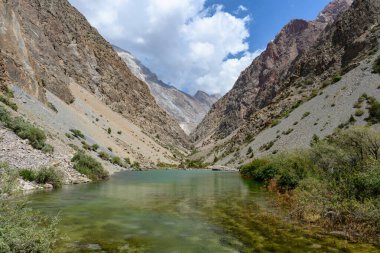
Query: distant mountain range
{"type": "Point", "coordinates": [186, 109]}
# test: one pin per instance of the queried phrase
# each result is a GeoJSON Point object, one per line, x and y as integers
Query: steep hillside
{"type": "Point", "coordinates": [48, 46]}
{"type": "Point", "coordinates": [342, 53]}
{"type": "Point", "coordinates": [260, 82]}
{"type": "Point", "coordinates": [187, 110]}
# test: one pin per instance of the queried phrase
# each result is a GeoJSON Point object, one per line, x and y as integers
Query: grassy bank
{"type": "Point", "coordinates": [22, 229]}
{"type": "Point", "coordinates": [335, 183]}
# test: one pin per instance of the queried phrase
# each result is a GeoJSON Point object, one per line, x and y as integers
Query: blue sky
{"type": "Point", "coordinates": [195, 44]}
{"type": "Point", "coordinates": [269, 16]}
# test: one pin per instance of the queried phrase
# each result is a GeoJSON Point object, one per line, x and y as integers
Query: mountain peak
{"type": "Point", "coordinates": [332, 10]}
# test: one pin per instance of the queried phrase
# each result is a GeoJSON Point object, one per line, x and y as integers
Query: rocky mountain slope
{"type": "Point", "coordinates": [48, 46]}
{"type": "Point", "coordinates": [187, 110]}
{"type": "Point", "coordinates": [260, 82]}
{"type": "Point", "coordinates": [63, 77]}
{"type": "Point", "coordinates": [290, 78]}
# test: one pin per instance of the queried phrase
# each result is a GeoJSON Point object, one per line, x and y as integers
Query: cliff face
{"type": "Point", "coordinates": [187, 110]}
{"type": "Point", "coordinates": [48, 45]}
{"type": "Point", "coordinates": [260, 82]}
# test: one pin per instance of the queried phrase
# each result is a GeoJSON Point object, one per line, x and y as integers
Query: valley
{"type": "Point", "coordinates": [98, 154]}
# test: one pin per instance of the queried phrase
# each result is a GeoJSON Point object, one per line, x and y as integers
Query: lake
{"type": "Point", "coordinates": [178, 211]}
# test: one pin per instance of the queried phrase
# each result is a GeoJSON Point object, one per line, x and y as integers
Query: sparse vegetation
{"type": "Point", "coordinates": [374, 111]}
{"type": "Point", "coordinates": [51, 176]}
{"type": "Point", "coordinates": [267, 146]}
{"type": "Point", "coordinates": [335, 183]}
{"type": "Point", "coordinates": [117, 161]}
{"type": "Point", "coordinates": [163, 165]}
{"type": "Point", "coordinates": [77, 133]}
{"type": "Point", "coordinates": [52, 107]}
{"type": "Point", "coordinates": [359, 113]}
{"type": "Point", "coordinates": [27, 175]}
{"type": "Point", "coordinates": [94, 147]}
{"type": "Point", "coordinates": [25, 130]}
{"type": "Point", "coordinates": [43, 176]}
{"type": "Point", "coordinates": [88, 166]}
{"type": "Point", "coordinates": [193, 164]}
{"type": "Point", "coordinates": [275, 122]}
{"type": "Point", "coordinates": [249, 151]}
{"type": "Point", "coordinates": [109, 130]}
{"type": "Point", "coordinates": [376, 66]}
{"type": "Point", "coordinates": [21, 228]}
{"type": "Point", "coordinates": [289, 131]}
{"type": "Point", "coordinates": [104, 156]}
{"type": "Point", "coordinates": [305, 115]}
{"type": "Point", "coordinates": [136, 165]}
{"type": "Point", "coordinates": [7, 101]}
{"type": "Point", "coordinates": [336, 78]}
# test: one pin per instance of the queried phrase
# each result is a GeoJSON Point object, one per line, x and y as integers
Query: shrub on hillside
{"type": "Point", "coordinates": [51, 176]}
{"type": "Point", "coordinates": [374, 111]}
{"type": "Point", "coordinates": [104, 156]}
{"type": "Point", "coordinates": [77, 133]}
{"type": "Point", "coordinates": [88, 166]}
{"type": "Point", "coordinates": [7, 101]}
{"type": "Point", "coordinates": [28, 175]}
{"type": "Point", "coordinates": [376, 66]}
{"type": "Point", "coordinates": [25, 130]}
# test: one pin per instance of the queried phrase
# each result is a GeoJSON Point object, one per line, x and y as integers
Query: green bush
{"type": "Point", "coordinates": [117, 161]}
{"type": "Point", "coordinates": [88, 166]}
{"type": "Point", "coordinates": [366, 185]}
{"type": "Point", "coordinates": [305, 115]}
{"type": "Point", "coordinates": [28, 175]}
{"type": "Point", "coordinates": [48, 149]}
{"type": "Point", "coordinates": [104, 156]}
{"type": "Point", "coordinates": [267, 146]}
{"type": "Point", "coordinates": [287, 181]}
{"type": "Point", "coordinates": [376, 66]}
{"type": "Point", "coordinates": [336, 78]}
{"type": "Point", "coordinates": [336, 182]}
{"type": "Point", "coordinates": [94, 147]}
{"type": "Point", "coordinates": [25, 130]}
{"type": "Point", "coordinates": [77, 133]}
{"type": "Point", "coordinates": [374, 111]}
{"type": "Point", "coordinates": [50, 176]}
{"type": "Point", "coordinates": [359, 113]}
{"type": "Point", "coordinates": [8, 102]}
{"type": "Point", "coordinates": [265, 173]}
{"type": "Point", "coordinates": [25, 230]}
{"type": "Point", "coordinates": [127, 161]}
{"type": "Point", "coordinates": [136, 165]}
{"type": "Point", "coordinates": [247, 170]}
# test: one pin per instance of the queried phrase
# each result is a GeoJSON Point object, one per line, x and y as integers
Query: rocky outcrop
{"type": "Point", "coordinates": [187, 110]}
{"type": "Point", "coordinates": [47, 45]}
{"type": "Point", "coordinates": [261, 82]}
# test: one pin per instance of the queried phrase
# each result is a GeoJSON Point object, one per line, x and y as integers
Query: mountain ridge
{"type": "Point", "coordinates": [186, 109]}
{"type": "Point", "coordinates": [256, 85]}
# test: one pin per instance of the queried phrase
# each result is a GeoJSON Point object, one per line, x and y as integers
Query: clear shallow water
{"type": "Point", "coordinates": [176, 211]}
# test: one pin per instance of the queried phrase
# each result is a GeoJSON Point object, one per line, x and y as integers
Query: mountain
{"type": "Point", "coordinates": [187, 110]}
{"type": "Point", "coordinates": [52, 57]}
{"type": "Point", "coordinates": [258, 84]}
{"type": "Point", "coordinates": [292, 74]}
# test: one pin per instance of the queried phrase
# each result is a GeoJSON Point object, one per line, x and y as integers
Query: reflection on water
{"type": "Point", "coordinates": [176, 211]}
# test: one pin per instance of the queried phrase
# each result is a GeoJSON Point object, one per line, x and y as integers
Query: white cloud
{"type": "Point", "coordinates": [186, 44]}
